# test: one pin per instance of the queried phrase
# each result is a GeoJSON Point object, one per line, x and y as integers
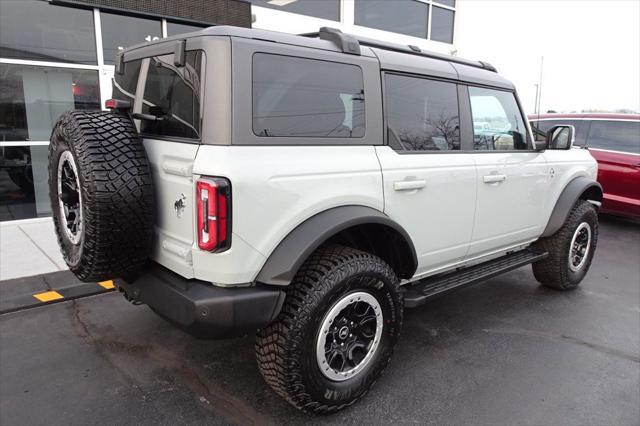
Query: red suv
{"type": "Point", "coordinates": [614, 141]}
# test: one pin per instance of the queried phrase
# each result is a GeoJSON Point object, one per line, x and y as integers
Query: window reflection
{"type": "Point", "coordinates": [283, 87]}
{"type": "Point", "coordinates": [120, 32]}
{"type": "Point", "coordinates": [38, 30]}
{"type": "Point", "coordinates": [399, 16]}
{"type": "Point", "coordinates": [442, 25]}
{"type": "Point", "coordinates": [174, 95]}
{"type": "Point", "coordinates": [422, 115]}
{"type": "Point", "coordinates": [615, 135]}
{"type": "Point", "coordinates": [125, 85]}
{"type": "Point", "coordinates": [450, 3]}
{"type": "Point", "coordinates": [23, 182]}
{"type": "Point", "coordinates": [497, 121]}
{"type": "Point", "coordinates": [325, 9]}
{"type": "Point", "coordinates": [32, 98]}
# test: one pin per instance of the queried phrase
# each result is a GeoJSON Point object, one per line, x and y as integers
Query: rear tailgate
{"type": "Point", "coordinates": [172, 165]}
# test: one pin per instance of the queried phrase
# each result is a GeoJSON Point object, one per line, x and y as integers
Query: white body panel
{"type": "Point", "coordinates": [441, 200]}
{"type": "Point", "coordinates": [276, 188]}
{"type": "Point", "coordinates": [512, 193]}
{"type": "Point", "coordinates": [566, 166]}
{"type": "Point", "coordinates": [438, 213]}
{"type": "Point", "coordinates": [172, 168]}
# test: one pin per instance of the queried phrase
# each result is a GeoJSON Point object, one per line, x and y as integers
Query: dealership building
{"type": "Point", "coordinates": [59, 55]}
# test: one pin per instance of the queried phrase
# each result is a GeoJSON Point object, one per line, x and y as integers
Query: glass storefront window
{"type": "Point", "coordinates": [175, 29]}
{"type": "Point", "coordinates": [24, 191]}
{"type": "Point", "coordinates": [442, 25]}
{"type": "Point", "coordinates": [120, 31]}
{"type": "Point", "coordinates": [450, 3]}
{"type": "Point", "coordinates": [325, 9]}
{"type": "Point", "coordinates": [408, 17]}
{"type": "Point", "coordinates": [32, 98]}
{"type": "Point", "coordinates": [38, 30]}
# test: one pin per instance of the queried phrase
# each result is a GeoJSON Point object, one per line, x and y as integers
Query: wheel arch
{"type": "Point", "coordinates": [580, 188]}
{"type": "Point", "coordinates": [359, 227]}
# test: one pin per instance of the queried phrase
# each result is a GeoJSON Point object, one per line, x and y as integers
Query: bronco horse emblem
{"type": "Point", "coordinates": [180, 204]}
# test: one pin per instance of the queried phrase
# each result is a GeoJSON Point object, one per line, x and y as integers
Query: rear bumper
{"type": "Point", "coordinates": [202, 309]}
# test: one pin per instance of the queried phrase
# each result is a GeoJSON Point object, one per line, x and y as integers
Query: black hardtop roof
{"type": "Point", "coordinates": [394, 57]}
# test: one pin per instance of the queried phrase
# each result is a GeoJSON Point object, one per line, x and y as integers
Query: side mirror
{"type": "Point", "coordinates": [560, 137]}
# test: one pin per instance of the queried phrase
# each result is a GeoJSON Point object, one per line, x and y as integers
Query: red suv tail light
{"type": "Point", "coordinates": [213, 197]}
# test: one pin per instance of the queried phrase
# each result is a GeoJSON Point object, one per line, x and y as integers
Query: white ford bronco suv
{"type": "Point", "coordinates": [310, 188]}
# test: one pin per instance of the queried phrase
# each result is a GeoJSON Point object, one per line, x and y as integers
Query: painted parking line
{"type": "Point", "coordinates": [48, 296]}
{"type": "Point", "coordinates": [107, 284]}
{"type": "Point", "coordinates": [75, 290]}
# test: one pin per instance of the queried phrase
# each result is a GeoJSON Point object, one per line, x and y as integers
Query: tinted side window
{"type": "Point", "coordinates": [615, 135]}
{"type": "Point", "coordinates": [299, 97]}
{"type": "Point", "coordinates": [124, 85]}
{"type": "Point", "coordinates": [422, 115]}
{"type": "Point", "coordinates": [173, 94]}
{"type": "Point", "coordinates": [540, 129]}
{"type": "Point", "coordinates": [497, 121]}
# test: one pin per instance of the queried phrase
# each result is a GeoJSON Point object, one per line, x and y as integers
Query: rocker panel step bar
{"type": "Point", "coordinates": [428, 288]}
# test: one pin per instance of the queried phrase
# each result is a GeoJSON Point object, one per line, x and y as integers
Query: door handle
{"type": "Point", "coordinates": [409, 185]}
{"type": "Point", "coordinates": [494, 178]}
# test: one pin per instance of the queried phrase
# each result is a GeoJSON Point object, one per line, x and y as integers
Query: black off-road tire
{"type": "Point", "coordinates": [117, 199]}
{"type": "Point", "coordinates": [554, 271]}
{"type": "Point", "coordinates": [286, 349]}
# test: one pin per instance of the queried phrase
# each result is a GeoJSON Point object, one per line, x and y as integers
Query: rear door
{"type": "Point", "coordinates": [512, 178]}
{"type": "Point", "coordinates": [429, 183]}
{"type": "Point", "coordinates": [616, 147]}
{"type": "Point", "coordinates": [169, 96]}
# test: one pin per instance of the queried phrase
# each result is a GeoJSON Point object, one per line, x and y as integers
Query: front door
{"type": "Point", "coordinates": [429, 184]}
{"type": "Point", "coordinates": [511, 177]}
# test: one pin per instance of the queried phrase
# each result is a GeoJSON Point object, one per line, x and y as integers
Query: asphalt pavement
{"type": "Point", "coordinates": [503, 352]}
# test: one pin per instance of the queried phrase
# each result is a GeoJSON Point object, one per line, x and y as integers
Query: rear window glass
{"type": "Point", "coordinates": [422, 115]}
{"type": "Point", "coordinates": [615, 136]}
{"type": "Point", "coordinates": [124, 85]}
{"type": "Point", "coordinates": [173, 95]}
{"type": "Point", "coordinates": [296, 97]}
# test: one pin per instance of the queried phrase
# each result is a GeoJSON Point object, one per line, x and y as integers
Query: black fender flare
{"type": "Point", "coordinates": [568, 197]}
{"type": "Point", "coordinates": [297, 246]}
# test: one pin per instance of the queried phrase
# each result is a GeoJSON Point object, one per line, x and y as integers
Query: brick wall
{"type": "Point", "coordinates": [220, 12]}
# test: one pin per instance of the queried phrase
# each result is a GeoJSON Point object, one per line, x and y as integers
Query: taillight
{"type": "Point", "coordinates": [117, 104]}
{"type": "Point", "coordinates": [213, 197]}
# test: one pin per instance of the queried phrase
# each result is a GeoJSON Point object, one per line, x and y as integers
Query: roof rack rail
{"type": "Point", "coordinates": [346, 42]}
{"type": "Point", "coordinates": [350, 44]}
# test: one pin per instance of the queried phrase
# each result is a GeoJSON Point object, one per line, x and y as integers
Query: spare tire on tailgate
{"type": "Point", "coordinates": [101, 193]}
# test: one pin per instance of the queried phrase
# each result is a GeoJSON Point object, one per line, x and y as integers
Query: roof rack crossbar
{"type": "Point", "coordinates": [341, 39]}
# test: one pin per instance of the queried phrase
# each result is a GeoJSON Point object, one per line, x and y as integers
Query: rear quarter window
{"type": "Point", "coordinates": [173, 95]}
{"type": "Point", "coordinates": [621, 136]}
{"type": "Point", "coordinates": [124, 85]}
{"type": "Point", "coordinates": [299, 97]}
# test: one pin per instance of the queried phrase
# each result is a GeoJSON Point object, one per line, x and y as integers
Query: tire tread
{"type": "Point", "coordinates": [117, 192]}
{"type": "Point", "coordinates": [278, 344]}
